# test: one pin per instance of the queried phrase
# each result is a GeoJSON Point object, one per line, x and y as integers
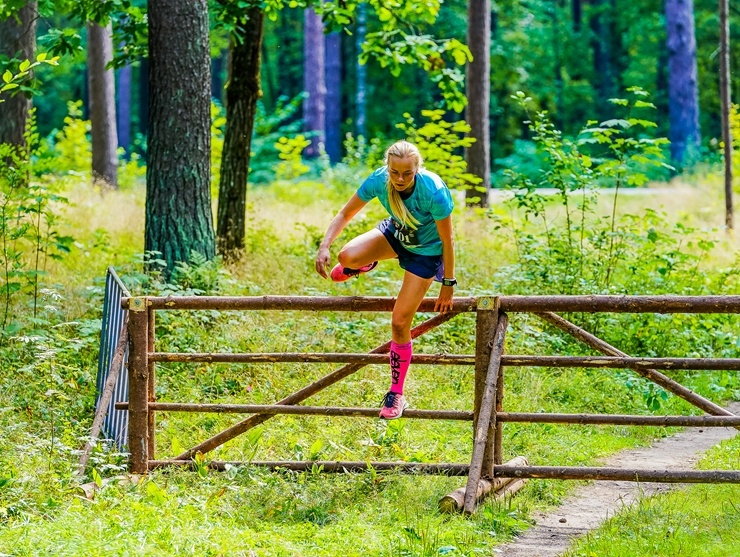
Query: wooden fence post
{"type": "Point", "coordinates": [484, 438]}
{"type": "Point", "coordinates": [151, 423]}
{"type": "Point", "coordinates": [486, 318]}
{"type": "Point", "coordinates": [138, 373]}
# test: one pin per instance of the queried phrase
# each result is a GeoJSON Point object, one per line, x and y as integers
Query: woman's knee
{"type": "Point", "coordinates": [347, 257]}
{"type": "Point", "coordinates": [401, 323]}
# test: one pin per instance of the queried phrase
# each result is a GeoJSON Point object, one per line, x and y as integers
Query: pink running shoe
{"type": "Point", "coordinates": [340, 273]}
{"type": "Point", "coordinates": [393, 406]}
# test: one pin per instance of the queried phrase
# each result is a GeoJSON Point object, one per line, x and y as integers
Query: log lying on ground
{"type": "Point", "coordinates": [455, 501]}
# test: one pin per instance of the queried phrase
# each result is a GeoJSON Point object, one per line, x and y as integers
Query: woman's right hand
{"type": "Point", "coordinates": [323, 260]}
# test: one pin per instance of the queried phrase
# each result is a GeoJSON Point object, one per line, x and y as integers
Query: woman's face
{"type": "Point", "coordinates": [402, 172]}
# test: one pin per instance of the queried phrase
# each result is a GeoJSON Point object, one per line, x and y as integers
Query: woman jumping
{"type": "Point", "coordinates": [418, 233]}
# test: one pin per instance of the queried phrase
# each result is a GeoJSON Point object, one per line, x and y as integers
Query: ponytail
{"type": "Point", "coordinates": [402, 150]}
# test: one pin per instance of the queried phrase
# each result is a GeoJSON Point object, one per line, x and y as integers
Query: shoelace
{"type": "Point", "coordinates": [354, 272]}
{"type": "Point", "coordinates": [389, 400]}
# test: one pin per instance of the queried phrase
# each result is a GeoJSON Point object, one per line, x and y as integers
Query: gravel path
{"type": "Point", "coordinates": [591, 504]}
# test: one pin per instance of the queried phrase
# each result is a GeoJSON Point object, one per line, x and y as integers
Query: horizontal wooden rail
{"type": "Point", "coordinates": [501, 471]}
{"type": "Point", "coordinates": [697, 364]}
{"type": "Point", "coordinates": [621, 304]}
{"type": "Point", "coordinates": [273, 409]}
{"type": "Point", "coordinates": [459, 415]}
{"type": "Point", "coordinates": [307, 358]}
{"type": "Point", "coordinates": [617, 474]}
{"type": "Point", "coordinates": [294, 303]}
{"type": "Point", "coordinates": [436, 469]}
{"type": "Point", "coordinates": [619, 419]}
{"type": "Point", "coordinates": [727, 364]}
{"type": "Point", "coordinates": [536, 304]}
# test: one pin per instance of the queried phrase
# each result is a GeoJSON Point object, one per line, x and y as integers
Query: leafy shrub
{"type": "Point", "coordinates": [441, 143]}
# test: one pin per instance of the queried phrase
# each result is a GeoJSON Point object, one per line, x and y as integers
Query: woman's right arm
{"type": "Point", "coordinates": [350, 209]}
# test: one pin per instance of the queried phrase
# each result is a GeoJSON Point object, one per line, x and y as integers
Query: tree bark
{"type": "Point", "coordinates": [314, 81]}
{"type": "Point", "coordinates": [178, 198]}
{"type": "Point", "coordinates": [17, 40]}
{"type": "Point", "coordinates": [242, 93]}
{"type": "Point", "coordinates": [333, 61]}
{"type": "Point", "coordinates": [478, 155]}
{"type": "Point", "coordinates": [683, 91]}
{"type": "Point", "coordinates": [724, 92]}
{"type": "Point", "coordinates": [102, 91]}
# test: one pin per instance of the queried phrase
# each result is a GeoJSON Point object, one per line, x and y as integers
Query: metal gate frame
{"type": "Point", "coordinates": [489, 360]}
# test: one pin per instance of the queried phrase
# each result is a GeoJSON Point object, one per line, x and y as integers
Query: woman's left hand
{"type": "Point", "coordinates": [444, 300]}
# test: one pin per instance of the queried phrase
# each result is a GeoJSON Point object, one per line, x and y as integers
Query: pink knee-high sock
{"type": "Point", "coordinates": [400, 360]}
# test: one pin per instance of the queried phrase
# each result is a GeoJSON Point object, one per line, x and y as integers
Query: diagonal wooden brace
{"type": "Point", "coordinates": [486, 415]}
{"type": "Point", "coordinates": [655, 376]}
{"type": "Point", "coordinates": [299, 396]}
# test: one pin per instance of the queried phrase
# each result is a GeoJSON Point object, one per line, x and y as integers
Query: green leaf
{"type": "Point", "coordinates": [7, 76]}
{"type": "Point", "coordinates": [315, 449]}
{"type": "Point", "coordinates": [614, 122]}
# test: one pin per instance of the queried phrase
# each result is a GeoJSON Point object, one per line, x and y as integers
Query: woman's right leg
{"type": "Point", "coordinates": [365, 249]}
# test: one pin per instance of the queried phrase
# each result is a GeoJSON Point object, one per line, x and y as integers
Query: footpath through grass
{"type": "Point", "coordinates": [695, 521]}
{"type": "Point", "coordinates": [48, 374]}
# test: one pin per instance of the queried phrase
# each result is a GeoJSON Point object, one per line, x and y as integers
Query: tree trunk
{"type": "Point", "coordinates": [577, 13]}
{"type": "Point", "coordinates": [17, 41]}
{"type": "Point", "coordinates": [101, 84]}
{"type": "Point", "coordinates": [479, 92]}
{"type": "Point", "coordinates": [602, 49]}
{"type": "Point", "coordinates": [178, 194]}
{"type": "Point", "coordinates": [361, 91]}
{"type": "Point", "coordinates": [683, 92]}
{"type": "Point", "coordinates": [724, 92]}
{"type": "Point", "coordinates": [242, 93]}
{"type": "Point", "coordinates": [314, 82]}
{"type": "Point", "coordinates": [123, 108]}
{"type": "Point", "coordinates": [333, 96]}
{"type": "Point", "coordinates": [144, 96]}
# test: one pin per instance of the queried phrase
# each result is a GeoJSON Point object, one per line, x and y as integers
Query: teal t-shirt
{"type": "Point", "coordinates": [429, 202]}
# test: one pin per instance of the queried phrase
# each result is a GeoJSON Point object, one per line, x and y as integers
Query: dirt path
{"type": "Point", "coordinates": [591, 504]}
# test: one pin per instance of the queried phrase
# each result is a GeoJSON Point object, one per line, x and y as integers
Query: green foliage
{"type": "Point", "coordinates": [585, 253]}
{"type": "Point", "coordinates": [735, 132]}
{"type": "Point", "coordinates": [268, 129]}
{"type": "Point", "coordinates": [68, 151]}
{"type": "Point", "coordinates": [218, 125]}
{"type": "Point", "coordinates": [291, 165]}
{"type": "Point", "coordinates": [29, 226]}
{"type": "Point", "coordinates": [441, 143]}
{"type": "Point", "coordinates": [21, 81]}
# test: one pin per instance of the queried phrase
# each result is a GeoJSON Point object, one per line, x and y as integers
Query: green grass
{"type": "Point", "coordinates": [47, 392]}
{"type": "Point", "coordinates": [697, 521]}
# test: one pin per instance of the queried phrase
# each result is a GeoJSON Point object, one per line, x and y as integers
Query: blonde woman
{"type": "Point", "coordinates": [418, 233]}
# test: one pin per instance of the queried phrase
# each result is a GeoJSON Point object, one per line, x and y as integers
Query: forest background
{"type": "Point", "coordinates": [580, 101]}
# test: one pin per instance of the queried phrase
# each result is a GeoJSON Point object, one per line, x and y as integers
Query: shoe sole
{"type": "Point", "coordinates": [405, 406]}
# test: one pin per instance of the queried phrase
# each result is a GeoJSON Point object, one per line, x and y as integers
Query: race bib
{"type": "Point", "coordinates": [404, 234]}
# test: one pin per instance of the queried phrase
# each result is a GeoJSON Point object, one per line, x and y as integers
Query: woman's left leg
{"type": "Point", "coordinates": [412, 292]}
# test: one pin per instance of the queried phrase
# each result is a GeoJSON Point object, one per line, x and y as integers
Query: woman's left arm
{"type": "Point", "coordinates": [444, 228]}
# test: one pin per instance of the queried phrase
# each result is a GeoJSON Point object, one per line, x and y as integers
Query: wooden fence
{"type": "Point", "coordinates": [488, 415]}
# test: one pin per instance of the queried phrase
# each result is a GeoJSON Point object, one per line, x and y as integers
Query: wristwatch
{"type": "Point", "coordinates": [449, 281]}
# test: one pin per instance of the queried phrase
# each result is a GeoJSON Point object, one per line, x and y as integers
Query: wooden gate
{"type": "Point", "coordinates": [488, 415]}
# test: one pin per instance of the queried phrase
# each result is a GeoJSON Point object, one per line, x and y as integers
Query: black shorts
{"type": "Point", "coordinates": [424, 266]}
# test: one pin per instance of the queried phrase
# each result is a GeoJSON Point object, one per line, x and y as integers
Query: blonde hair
{"type": "Point", "coordinates": [402, 150]}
